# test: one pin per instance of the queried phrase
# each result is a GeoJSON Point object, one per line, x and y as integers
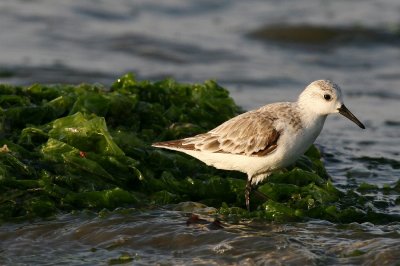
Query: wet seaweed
{"type": "Point", "coordinates": [67, 148]}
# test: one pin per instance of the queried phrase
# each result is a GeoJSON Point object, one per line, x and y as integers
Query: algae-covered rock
{"type": "Point", "coordinates": [73, 147]}
{"type": "Point", "coordinates": [68, 147]}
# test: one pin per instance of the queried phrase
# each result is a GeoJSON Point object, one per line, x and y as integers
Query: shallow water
{"type": "Point", "coordinates": [161, 236]}
{"type": "Point", "coordinates": [96, 41]}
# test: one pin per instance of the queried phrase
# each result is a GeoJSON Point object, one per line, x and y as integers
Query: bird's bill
{"type": "Point", "coordinates": [346, 112]}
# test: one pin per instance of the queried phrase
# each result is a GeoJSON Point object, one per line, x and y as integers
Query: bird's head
{"type": "Point", "coordinates": [324, 97]}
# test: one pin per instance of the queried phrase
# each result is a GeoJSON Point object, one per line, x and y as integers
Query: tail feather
{"type": "Point", "coordinates": [174, 144]}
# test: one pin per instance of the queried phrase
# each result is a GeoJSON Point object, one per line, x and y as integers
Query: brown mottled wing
{"type": "Point", "coordinates": [251, 133]}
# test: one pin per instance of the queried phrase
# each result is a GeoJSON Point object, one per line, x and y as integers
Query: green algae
{"type": "Point", "coordinates": [80, 147]}
{"type": "Point", "coordinates": [123, 259]}
{"type": "Point", "coordinates": [355, 253]}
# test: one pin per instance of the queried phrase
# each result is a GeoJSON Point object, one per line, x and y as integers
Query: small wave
{"type": "Point", "coordinates": [318, 35]}
{"type": "Point", "coordinates": [380, 94]}
{"type": "Point", "coordinates": [375, 161]}
{"type": "Point", "coordinates": [392, 123]}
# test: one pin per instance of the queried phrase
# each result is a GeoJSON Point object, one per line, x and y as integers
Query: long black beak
{"type": "Point", "coordinates": [346, 112]}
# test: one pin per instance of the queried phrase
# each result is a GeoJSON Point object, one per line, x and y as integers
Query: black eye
{"type": "Point", "coordinates": [327, 97]}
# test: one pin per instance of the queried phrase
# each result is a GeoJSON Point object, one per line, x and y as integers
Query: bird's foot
{"type": "Point", "coordinates": [248, 190]}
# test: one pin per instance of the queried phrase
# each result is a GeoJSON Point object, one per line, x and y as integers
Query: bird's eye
{"type": "Point", "coordinates": [327, 97]}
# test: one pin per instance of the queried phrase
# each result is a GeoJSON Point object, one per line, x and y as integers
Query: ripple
{"type": "Point", "coordinates": [377, 161]}
{"type": "Point", "coordinates": [161, 236]}
{"type": "Point", "coordinates": [164, 50]}
{"type": "Point", "coordinates": [392, 123]}
{"type": "Point", "coordinates": [324, 35]}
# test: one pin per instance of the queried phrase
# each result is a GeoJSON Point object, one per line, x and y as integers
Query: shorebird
{"type": "Point", "coordinates": [267, 139]}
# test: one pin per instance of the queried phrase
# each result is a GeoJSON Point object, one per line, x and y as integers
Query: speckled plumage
{"type": "Point", "coordinates": [272, 137]}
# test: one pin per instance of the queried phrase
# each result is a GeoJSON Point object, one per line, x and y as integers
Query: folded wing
{"type": "Point", "coordinates": [251, 134]}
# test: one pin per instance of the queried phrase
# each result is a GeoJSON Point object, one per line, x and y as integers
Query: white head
{"type": "Point", "coordinates": [324, 97]}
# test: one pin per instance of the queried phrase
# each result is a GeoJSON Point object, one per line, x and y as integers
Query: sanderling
{"type": "Point", "coordinates": [267, 139]}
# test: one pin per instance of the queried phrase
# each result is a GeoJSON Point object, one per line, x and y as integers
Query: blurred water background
{"type": "Point", "coordinates": [261, 51]}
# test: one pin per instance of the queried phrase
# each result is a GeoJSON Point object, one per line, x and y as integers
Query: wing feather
{"type": "Point", "coordinates": [251, 133]}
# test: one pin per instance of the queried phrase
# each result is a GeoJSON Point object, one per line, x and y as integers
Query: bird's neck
{"type": "Point", "coordinates": [311, 119]}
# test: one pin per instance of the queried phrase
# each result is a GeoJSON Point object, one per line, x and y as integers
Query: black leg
{"type": "Point", "coordinates": [247, 193]}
